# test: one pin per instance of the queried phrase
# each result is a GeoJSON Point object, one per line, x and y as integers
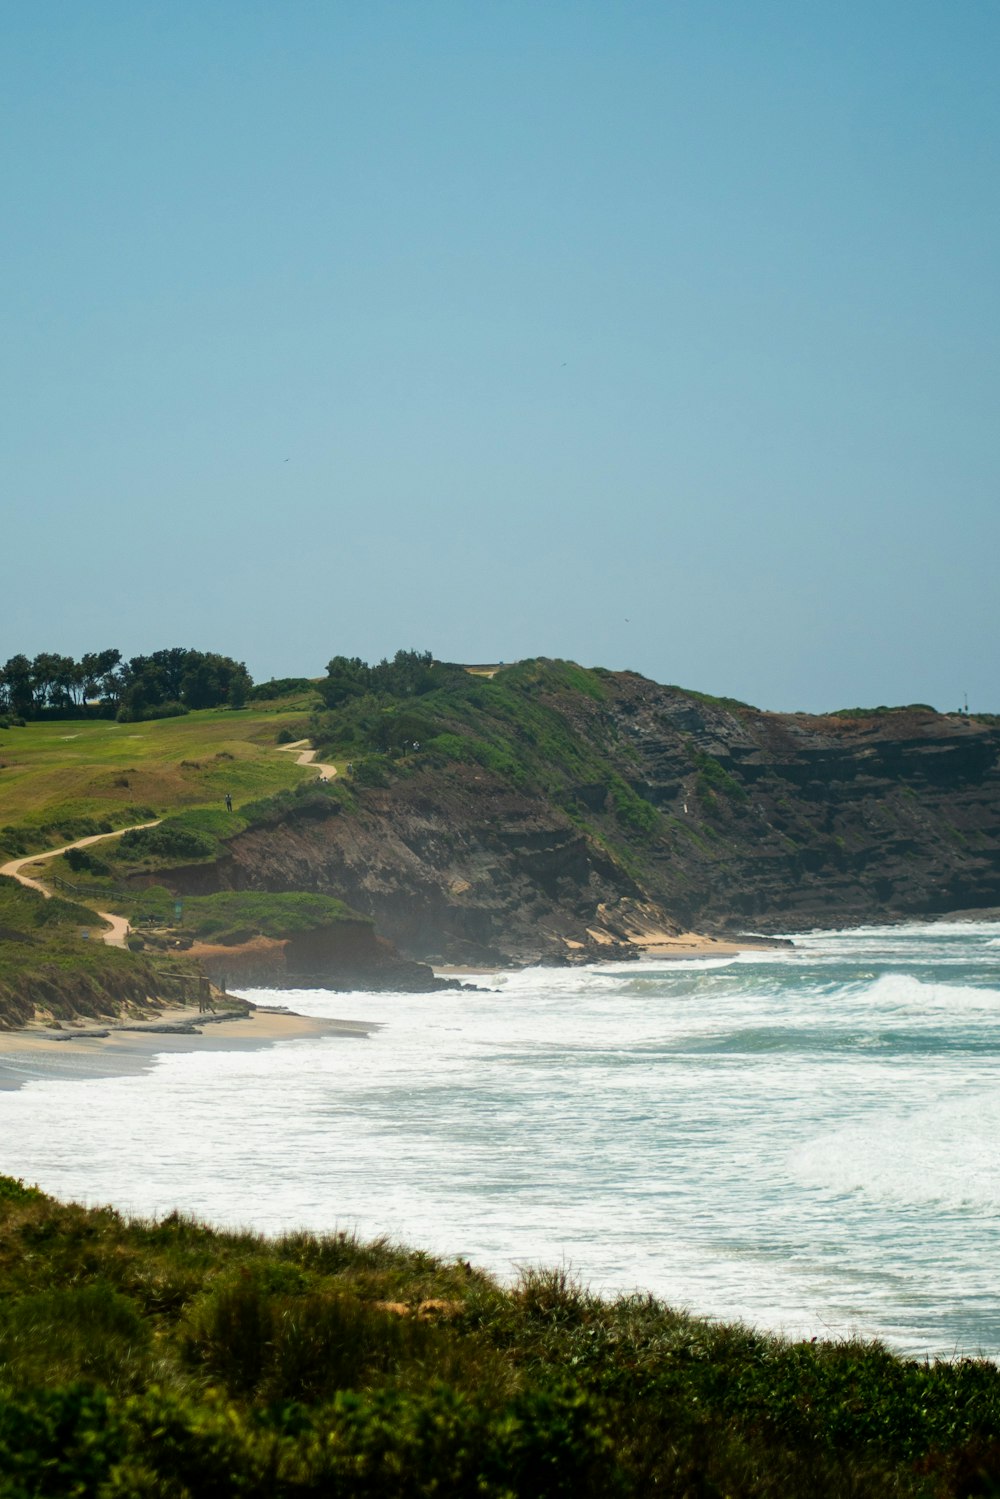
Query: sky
{"type": "Point", "coordinates": [659, 336]}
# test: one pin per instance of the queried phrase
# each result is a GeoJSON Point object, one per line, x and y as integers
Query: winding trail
{"type": "Point", "coordinates": [118, 927]}
{"type": "Point", "coordinates": [307, 757]}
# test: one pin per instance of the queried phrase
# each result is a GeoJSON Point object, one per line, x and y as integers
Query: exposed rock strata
{"type": "Point", "coordinates": [347, 957]}
{"type": "Point", "coordinates": [768, 822]}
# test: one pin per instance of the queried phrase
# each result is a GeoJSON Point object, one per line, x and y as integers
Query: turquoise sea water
{"type": "Point", "coordinates": [803, 1139]}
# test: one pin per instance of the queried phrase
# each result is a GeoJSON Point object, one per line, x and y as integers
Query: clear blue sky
{"type": "Point", "coordinates": [658, 335]}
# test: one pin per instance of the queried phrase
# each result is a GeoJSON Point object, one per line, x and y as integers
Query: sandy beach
{"type": "Point", "coordinates": [125, 1048]}
{"type": "Point", "coordinates": [660, 945]}
{"type": "Point", "coordinates": [695, 945]}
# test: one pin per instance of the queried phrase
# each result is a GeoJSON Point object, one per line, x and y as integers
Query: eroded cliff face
{"type": "Point", "coordinates": [346, 956]}
{"type": "Point", "coordinates": [764, 822]}
{"type": "Point", "coordinates": [817, 821]}
{"type": "Point", "coordinates": [453, 866]}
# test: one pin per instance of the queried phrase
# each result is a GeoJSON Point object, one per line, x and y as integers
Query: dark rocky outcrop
{"type": "Point", "coordinates": [346, 956]}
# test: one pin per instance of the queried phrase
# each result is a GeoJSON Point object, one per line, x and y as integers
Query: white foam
{"type": "Point", "coordinates": [803, 1140]}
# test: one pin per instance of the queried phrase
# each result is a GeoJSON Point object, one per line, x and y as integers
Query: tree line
{"type": "Point", "coordinates": [408, 674]}
{"type": "Point", "coordinates": [105, 684]}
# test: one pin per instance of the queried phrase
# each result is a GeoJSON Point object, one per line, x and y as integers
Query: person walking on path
{"type": "Point", "coordinates": [229, 802]}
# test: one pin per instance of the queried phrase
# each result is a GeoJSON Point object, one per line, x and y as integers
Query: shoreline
{"type": "Point", "coordinates": [697, 945]}
{"type": "Point", "coordinates": [664, 946]}
{"type": "Point", "coordinates": [126, 1048]}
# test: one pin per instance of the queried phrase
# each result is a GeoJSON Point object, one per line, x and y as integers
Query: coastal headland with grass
{"type": "Point", "coordinates": [435, 816]}
{"type": "Point", "coordinates": [393, 830]}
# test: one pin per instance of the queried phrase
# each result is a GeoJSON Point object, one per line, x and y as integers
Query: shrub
{"type": "Point", "coordinates": [297, 1346]}
{"type": "Point", "coordinates": [151, 711]}
{"type": "Point", "coordinates": [632, 810]}
{"type": "Point", "coordinates": [87, 1332]}
{"type": "Point", "coordinates": [714, 779]}
{"type": "Point", "coordinates": [371, 771]}
{"type": "Point", "coordinates": [80, 860]}
{"type": "Point", "coordinates": [56, 1442]}
{"type": "Point", "coordinates": [280, 687]}
{"type": "Point", "coordinates": [166, 842]}
{"type": "Point", "coordinates": [235, 915]}
{"type": "Point", "coordinates": [13, 1189]}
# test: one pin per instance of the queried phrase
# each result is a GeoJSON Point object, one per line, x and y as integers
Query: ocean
{"type": "Point", "coordinates": [804, 1139]}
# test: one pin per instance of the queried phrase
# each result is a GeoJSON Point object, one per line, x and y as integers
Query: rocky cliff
{"type": "Point", "coordinates": [348, 956]}
{"type": "Point", "coordinates": [555, 812]}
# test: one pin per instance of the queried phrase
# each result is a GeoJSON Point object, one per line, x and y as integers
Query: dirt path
{"type": "Point", "coordinates": [307, 756]}
{"type": "Point", "coordinates": [118, 926]}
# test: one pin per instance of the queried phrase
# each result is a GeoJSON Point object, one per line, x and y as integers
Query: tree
{"type": "Point", "coordinates": [67, 687]}
{"type": "Point", "coordinates": [17, 679]}
{"type": "Point", "coordinates": [346, 677]}
{"type": "Point", "coordinates": [100, 675]}
{"type": "Point", "coordinates": [408, 674]}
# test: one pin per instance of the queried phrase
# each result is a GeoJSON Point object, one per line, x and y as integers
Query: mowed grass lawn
{"type": "Point", "coordinates": [56, 771]}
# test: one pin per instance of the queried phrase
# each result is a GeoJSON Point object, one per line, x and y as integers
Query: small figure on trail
{"type": "Point", "coordinates": [229, 802]}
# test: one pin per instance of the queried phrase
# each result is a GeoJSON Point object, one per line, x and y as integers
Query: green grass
{"type": "Point", "coordinates": [48, 965]}
{"type": "Point", "coordinates": [537, 726]}
{"type": "Point", "coordinates": [714, 780]}
{"type": "Point", "coordinates": [162, 1358]}
{"type": "Point", "coordinates": [68, 780]}
{"type": "Point", "coordinates": [234, 914]}
{"type": "Point", "coordinates": [882, 711]}
{"type": "Point", "coordinates": [238, 915]}
{"type": "Point", "coordinates": [730, 704]}
{"type": "Point", "coordinates": [56, 777]}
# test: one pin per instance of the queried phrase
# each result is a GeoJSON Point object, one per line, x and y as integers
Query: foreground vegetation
{"type": "Point", "coordinates": [166, 1359]}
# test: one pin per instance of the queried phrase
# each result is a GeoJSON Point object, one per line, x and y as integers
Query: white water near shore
{"type": "Point", "coordinates": [805, 1140]}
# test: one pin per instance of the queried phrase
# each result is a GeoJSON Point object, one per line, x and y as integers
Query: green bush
{"type": "Point", "coordinates": [151, 711]}
{"type": "Point", "coordinates": [58, 1442]}
{"type": "Point", "coordinates": [89, 1332]}
{"type": "Point", "coordinates": [13, 1189]}
{"type": "Point", "coordinates": [373, 770]}
{"type": "Point", "coordinates": [447, 746]}
{"type": "Point", "coordinates": [82, 861]}
{"type": "Point", "coordinates": [713, 779]}
{"type": "Point", "coordinates": [279, 687]}
{"type": "Point", "coordinates": [262, 1340]}
{"type": "Point", "coordinates": [632, 810]}
{"type": "Point", "coordinates": [166, 841]}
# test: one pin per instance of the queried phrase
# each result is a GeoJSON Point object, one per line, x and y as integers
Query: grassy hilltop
{"type": "Point", "coordinates": [165, 1359]}
{"type": "Point", "coordinates": [64, 779]}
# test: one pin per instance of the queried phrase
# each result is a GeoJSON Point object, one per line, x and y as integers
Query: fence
{"type": "Point", "coordinates": [107, 891]}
